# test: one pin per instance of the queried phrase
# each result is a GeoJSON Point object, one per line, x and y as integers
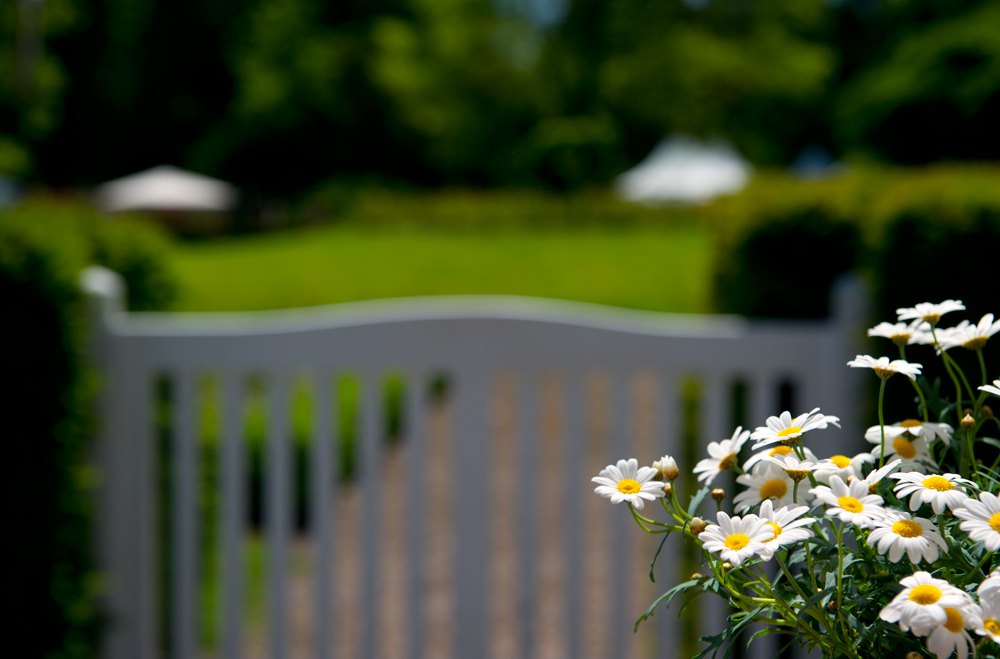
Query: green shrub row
{"type": "Point", "coordinates": [47, 393]}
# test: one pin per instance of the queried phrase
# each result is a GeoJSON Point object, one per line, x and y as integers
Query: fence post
{"type": "Point", "coordinates": [116, 548]}
{"type": "Point", "coordinates": [850, 313]}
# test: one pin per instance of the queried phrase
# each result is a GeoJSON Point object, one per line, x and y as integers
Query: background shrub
{"type": "Point", "coordinates": [50, 588]}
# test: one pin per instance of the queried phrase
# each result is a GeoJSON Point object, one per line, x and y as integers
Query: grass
{"type": "Point", "coordinates": [661, 269]}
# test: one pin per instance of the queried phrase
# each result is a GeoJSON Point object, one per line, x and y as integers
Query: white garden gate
{"type": "Point", "coordinates": [472, 340]}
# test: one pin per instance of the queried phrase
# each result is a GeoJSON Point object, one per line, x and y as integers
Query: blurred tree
{"type": "Point", "coordinates": [927, 81]}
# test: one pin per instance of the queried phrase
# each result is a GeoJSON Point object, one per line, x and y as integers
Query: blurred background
{"type": "Point", "coordinates": [699, 156]}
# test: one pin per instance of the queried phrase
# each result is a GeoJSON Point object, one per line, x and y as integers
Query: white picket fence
{"type": "Point", "coordinates": [472, 340]}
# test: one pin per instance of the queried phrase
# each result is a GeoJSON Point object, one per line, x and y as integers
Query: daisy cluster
{"type": "Point", "coordinates": [877, 553]}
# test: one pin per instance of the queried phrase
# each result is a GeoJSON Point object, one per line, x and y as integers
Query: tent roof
{"type": "Point", "coordinates": [682, 169]}
{"type": "Point", "coordinates": [166, 188]}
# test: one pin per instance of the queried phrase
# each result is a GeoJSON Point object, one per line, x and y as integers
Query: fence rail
{"type": "Point", "coordinates": [153, 512]}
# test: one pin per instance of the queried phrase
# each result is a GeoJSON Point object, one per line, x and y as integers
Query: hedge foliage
{"type": "Point", "coordinates": [47, 391]}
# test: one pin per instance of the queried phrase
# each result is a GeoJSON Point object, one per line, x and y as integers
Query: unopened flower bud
{"type": "Point", "coordinates": [667, 468]}
{"type": "Point", "coordinates": [914, 655]}
{"type": "Point", "coordinates": [967, 422]}
{"type": "Point", "coordinates": [851, 479]}
{"type": "Point", "coordinates": [697, 576]}
{"type": "Point", "coordinates": [697, 525]}
{"type": "Point", "coordinates": [832, 605]}
{"type": "Point", "coordinates": [797, 475]}
{"type": "Point", "coordinates": [727, 566]}
{"type": "Point", "coordinates": [986, 411]}
{"type": "Point", "coordinates": [967, 411]}
{"type": "Point", "coordinates": [718, 494]}
{"type": "Point", "coordinates": [668, 490]}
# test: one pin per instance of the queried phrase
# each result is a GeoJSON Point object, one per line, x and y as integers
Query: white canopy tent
{"type": "Point", "coordinates": [681, 169]}
{"type": "Point", "coordinates": [166, 188]}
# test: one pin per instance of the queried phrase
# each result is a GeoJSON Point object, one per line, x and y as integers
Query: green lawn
{"type": "Point", "coordinates": [658, 269]}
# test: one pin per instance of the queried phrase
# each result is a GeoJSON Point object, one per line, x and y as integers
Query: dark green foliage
{"type": "Point", "coordinates": [47, 393]}
{"type": "Point", "coordinates": [785, 268]}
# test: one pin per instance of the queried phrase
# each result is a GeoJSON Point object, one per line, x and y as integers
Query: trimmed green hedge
{"type": "Point", "coordinates": [51, 586]}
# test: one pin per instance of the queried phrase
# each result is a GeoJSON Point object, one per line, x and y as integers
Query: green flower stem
{"type": "Point", "coordinates": [795, 492]}
{"type": "Point", "coordinates": [640, 519]}
{"type": "Point", "coordinates": [982, 366]}
{"type": "Point", "coordinates": [961, 373]}
{"type": "Point", "coordinates": [947, 367]}
{"type": "Point", "coordinates": [881, 421]}
{"type": "Point", "coordinates": [805, 598]}
{"type": "Point", "coordinates": [920, 392]}
{"type": "Point", "coordinates": [838, 531]}
{"type": "Point", "coordinates": [812, 570]}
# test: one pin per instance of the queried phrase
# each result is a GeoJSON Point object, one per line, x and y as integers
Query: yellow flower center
{"type": "Point", "coordinates": [773, 488]}
{"type": "Point", "coordinates": [911, 423]}
{"type": "Point", "coordinates": [995, 522]}
{"type": "Point", "coordinates": [938, 483]}
{"type": "Point", "coordinates": [904, 448]}
{"type": "Point", "coordinates": [992, 626]}
{"type": "Point", "coordinates": [954, 623]}
{"type": "Point", "coordinates": [850, 504]}
{"type": "Point", "coordinates": [841, 461]}
{"type": "Point", "coordinates": [907, 529]}
{"type": "Point", "coordinates": [780, 450]}
{"type": "Point", "coordinates": [628, 486]}
{"type": "Point", "coordinates": [975, 343]}
{"type": "Point", "coordinates": [737, 541]}
{"type": "Point", "coordinates": [789, 431]}
{"type": "Point", "coordinates": [884, 372]}
{"type": "Point", "coordinates": [775, 528]}
{"type": "Point", "coordinates": [727, 463]}
{"type": "Point", "coordinates": [925, 594]}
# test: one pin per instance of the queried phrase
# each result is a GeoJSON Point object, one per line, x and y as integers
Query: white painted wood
{"type": "Point", "coordinates": [370, 433]}
{"type": "Point", "coordinates": [184, 494]}
{"type": "Point", "coordinates": [471, 339]}
{"type": "Point", "coordinates": [527, 478]}
{"type": "Point", "coordinates": [470, 509]}
{"type": "Point", "coordinates": [278, 505]}
{"type": "Point", "coordinates": [577, 488]}
{"type": "Point", "coordinates": [667, 572]}
{"type": "Point", "coordinates": [234, 474]}
{"type": "Point", "coordinates": [621, 575]}
{"type": "Point", "coordinates": [715, 416]}
{"type": "Point", "coordinates": [320, 509]}
{"type": "Point", "coordinates": [415, 420]}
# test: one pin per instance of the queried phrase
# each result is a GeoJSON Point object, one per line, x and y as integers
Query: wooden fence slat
{"type": "Point", "coordinates": [470, 506]}
{"type": "Point", "coordinates": [577, 489]}
{"type": "Point", "coordinates": [184, 489]}
{"type": "Point", "coordinates": [277, 493]}
{"type": "Point", "coordinates": [320, 510]}
{"type": "Point", "coordinates": [528, 473]}
{"type": "Point", "coordinates": [370, 515]}
{"type": "Point", "coordinates": [415, 419]}
{"type": "Point", "coordinates": [621, 577]}
{"type": "Point", "coordinates": [234, 473]}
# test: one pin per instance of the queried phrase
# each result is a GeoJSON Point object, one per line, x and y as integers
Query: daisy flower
{"type": "Point", "coordinates": [851, 503]}
{"type": "Point", "coordinates": [972, 337]}
{"type": "Point", "coordinates": [627, 481]}
{"type": "Point", "coordinates": [911, 428]}
{"type": "Point", "coordinates": [666, 468]}
{"type": "Point", "coordinates": [796, 469]}
{"type": "Point", "coordinates": [786, 430]}
{"type": "Point", "coordinates": [723, 456]}
{"type": "Point", "coordinates": [951, 636]}
{"type": "Point", "coordinates": [787, 523]}
{"type": "Point", "coordinates": [913, 454]}
{"type": "Point", "coordinates": [939, 491]}
{"type": "Point", "coordinates": [920, 607]}
{"type": "Point", "coordinates": [736, 539]}
{"type": "Point", "coordinates": [843, 466]}
{"type": "Point", "coordinates": [899, 333]}
{"type": "Point", "coordinates": [770, 482]}
{"type": "Point", "coordinates": [884, 368]}
{"type": "Point", "coordinates": [873, 479]}
{"type": "Point", "coordinates": [982, 520]}
{"type": "Point", "coordinates": [929, 313]}
{"type": "Point", "coordinates": [898, 533]}
{"type": "Point", "coordinates": [757, 460]}
{"type": "Point", "coordinates": [991, 388]}
{"type": "Point", "coordinates": [989, 602]}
